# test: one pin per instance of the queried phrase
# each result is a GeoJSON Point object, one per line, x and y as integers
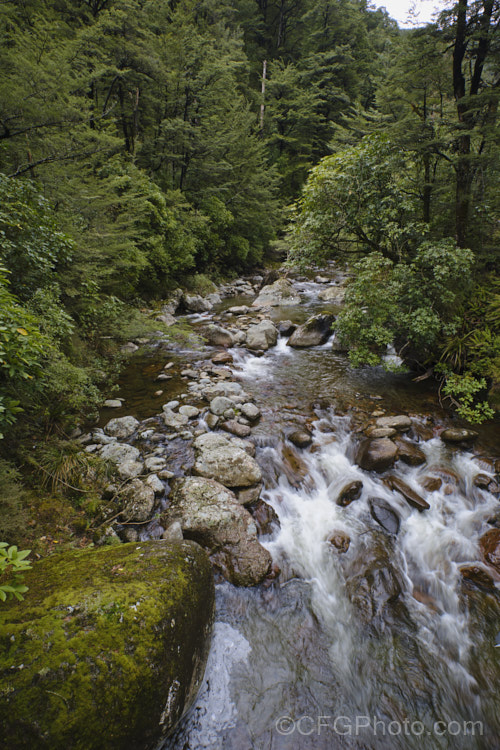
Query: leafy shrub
{"type": "Point", "coordinates": [13, 562]}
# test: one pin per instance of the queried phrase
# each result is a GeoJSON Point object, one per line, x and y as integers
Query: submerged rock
{"type": "Point", "coordinates": [224, 459]}
{"type": "Point", "coordinates": [410, 453]}
{"type": "Point", "coordinates": [109, 647]}
{"type": "Point", "coordinates": [490, 548]}
{"type": "Point", "coordinates": [313, 332]}
{"type": "Point", "coordinates": [211, 515]}
{"type": "Point", "coordinates": [340, 540]}
{"type": "Point", "coordinates": [349, 493]}
{"type": "Point", "coordinates": [376, 455]}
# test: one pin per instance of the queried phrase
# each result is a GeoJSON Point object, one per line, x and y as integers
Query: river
{"type": "Point", "coordinates": [381, 647]}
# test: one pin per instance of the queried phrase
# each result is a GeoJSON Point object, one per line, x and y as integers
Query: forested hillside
{"type": "Point", "coordinates": [143, 143]}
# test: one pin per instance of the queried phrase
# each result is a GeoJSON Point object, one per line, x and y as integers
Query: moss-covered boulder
{"type": "Point", "coordinates": [108, 649]}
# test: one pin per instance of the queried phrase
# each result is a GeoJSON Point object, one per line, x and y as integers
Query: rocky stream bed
{"type": "Point", "coordinates": [353, 526]}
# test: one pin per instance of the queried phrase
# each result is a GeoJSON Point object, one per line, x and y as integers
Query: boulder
{"type": "Point", "coordinates": [490, 548]}
{"type": "Point", "coordinates": [222, 358]}
{"type": "Point", "coordinates": [411, 497]}
{"type": "Point", "coordinates": [130, 469]}
{"type": "Point", "coordinates": [248, 495]}
{"type": "Point", "coordinates": [166, 318]}
{"type": "Point", "coordinates": [129, 348]}
{"type": "Point", "coordinates": [376, 455]}
{"type": "Point", "coordinates": [118, 453]}
{"type": "Point", "coordinates": [384, 514]}
{"type": "Point", "coordinates": [173, 420]}
{"type": "Point", "coordinates": [113, 403]}
{"type": "Point", "coordinates": [380, 432]}
{"type": "Point", "coordinates": [281, 292]}
{"type": "Point", "coordinates": [138, 501]}
{"type": "Point", "coordinates": [156, 484]}
{"type": "Point", "coordinates": [121, 427]}
{"type": "Point", "coordinates": [113, 644]}
{"type": "Point", "coordinates": [189, 411]}
{"type": "Point", "coordinates": [155, 463]}
{"type": "Point", "coordinates": [226, 460]}
{"type": "Point", "coordinates": [375, 587]}
{"type": "Point", "coordinates": [313, 332]}
{"type": "Point", "coordinates": [300, 438]}
{"type": "Point", "coordinates": [261, 336]}
{"type": "Point", "coordinates": [349, 493]}
{"type": "Point", "coordinates": [265, 517]}
{"type": "Point", "coordinates": [457, 435]}
{"type": "Point", "coordinates": [217, 336]}
{"type": "Point", "coordinates": [410, 453]}
{"type": "Point", "coordinates": [194, 303]}
{"type": "Point", "coordinates": [479, 577]}
{"type": "Point", "coordinates": [211, 515]}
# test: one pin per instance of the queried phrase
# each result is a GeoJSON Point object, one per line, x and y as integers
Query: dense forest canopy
{"type": "Point", "coordinates": [146, 141]}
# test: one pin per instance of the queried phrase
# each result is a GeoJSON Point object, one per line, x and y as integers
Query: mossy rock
{"type": "Point", "coordinates": [108, 649]}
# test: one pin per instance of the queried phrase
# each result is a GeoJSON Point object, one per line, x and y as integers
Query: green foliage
{"type": "Point", "coordinates": [357, 200]}
{"type": "Point", "coordinates": [413, 305]}
{"type": "Point", "coordinates": [462, 391]}
{"type": "Point", "coordinates": [13, 562]}
{"type": "Point", "coordinates": [13, 515]}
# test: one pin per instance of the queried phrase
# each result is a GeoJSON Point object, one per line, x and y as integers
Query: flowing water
{"type": "Point", "coordinates": [375, 648]}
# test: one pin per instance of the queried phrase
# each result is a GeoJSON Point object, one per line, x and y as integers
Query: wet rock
{"type": "Point", "coordinates": [261, 336]}
{"type": "Point", "coordinates": [410, 453]}
{"type": "Point", "coordinates": [489, 545]}
{"type": "Point", "coordinates": [384, 514]}
{"type": "Point", "coordinates": [224, 459]}
{"type": "Point", "coordinates": [338, 346]}
{"type": "Point", "coordinates": [130, 469]}
{"type": "Point", "coordinates": [478, 576]}
{"type": "Point", "coordinates": [236, 428]}
{"type": "Point", "coordinates": [281, 292]}
{"type": "Point", "coordinates": [113, 403]}
{"type": "Point", "coordinates": [349, 493]}
{"type": "Point", "coordinates": [221, 404]}
{"type": "Point", "coordinates": [118, 453]}
{"type": "Point", "coordinates": [411, 497]}
{"type": "Point", "coordinates": [313, 332]}
{"type": "Point", "coordinates": [300, 438]}
{"type": "Point", "coordinates": [482, 481]}
{"type": "Point", "coordinates": [431, 484]}
{"type": "Point", "coordinates": [457, 435]}
{"type": "Point", "coordinates": [217, 336]}
{"type": "Point", "coordinates": [376, 455]}
{"type": "Point", "coordinates": [210, 514]}
{"type": "Point", "coordinates": [222, 358]}
{"type": "Point", "coordinates": [194, 303]}
{"type": "Point", "coordinates": [121, 427]}
{"type": "Point", "coordinates": [113, 643]}
{"type": "Point", "coordinates": [340, 540]}
{"type": "Point", "coordinates": [265, 517]}
{"type": "Point", "coordinates": [375, 587]}
{"type": "Point", "coordinates": [286, 327]}
{"type": "Point", "coordinates": [138, 501]}
{"type": "Point", "coordinates": [249, 495]}
{"type": "Point", "coordinates": [238, 310]}
{"type": "Point", "coordinates": [400, 422]}
{"type": "Point", "coordinates": [228, 389]}
{"type": "Point", "coordinates": [250, 411]}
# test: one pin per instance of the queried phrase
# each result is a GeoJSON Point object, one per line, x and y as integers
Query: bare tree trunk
{"type": "Point", "coordinates": [263, 99]}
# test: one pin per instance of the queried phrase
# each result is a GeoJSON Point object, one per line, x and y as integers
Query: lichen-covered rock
{"type": "Point", "coordinates": [281, 292]}
{"type": "Point", "coordinates": [224, 459]}
{"type": "Point", "coordinates": [194, 303]}
{"type": "Point", "coordinates": [138, 501]}
{"type": "Point", "coordinates": [108, 649]}
{"type": "Point", "coordinates": [211, 515]}
{"type": "Point", "coordinates": [121, 427]}
{"type": "Point", "coordinates": [118, 453]}
{"type": "Point", "coordinates": [218, 336]}
{"type": "Point", "coordinates": [313, 332]}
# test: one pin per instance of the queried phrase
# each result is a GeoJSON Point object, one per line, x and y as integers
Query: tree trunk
{"type": "Point", "coordinates": [263, 92]}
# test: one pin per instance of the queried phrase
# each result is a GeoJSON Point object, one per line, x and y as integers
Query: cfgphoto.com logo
{"type": "Point", "coordinates": [354, 726]}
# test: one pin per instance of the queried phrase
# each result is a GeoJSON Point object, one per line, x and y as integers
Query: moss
{"type": "Point", "coordinates": [103, 641]}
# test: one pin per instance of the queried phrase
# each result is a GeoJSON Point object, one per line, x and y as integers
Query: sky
{"type": "Point", "coordinates": [398, 9]}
